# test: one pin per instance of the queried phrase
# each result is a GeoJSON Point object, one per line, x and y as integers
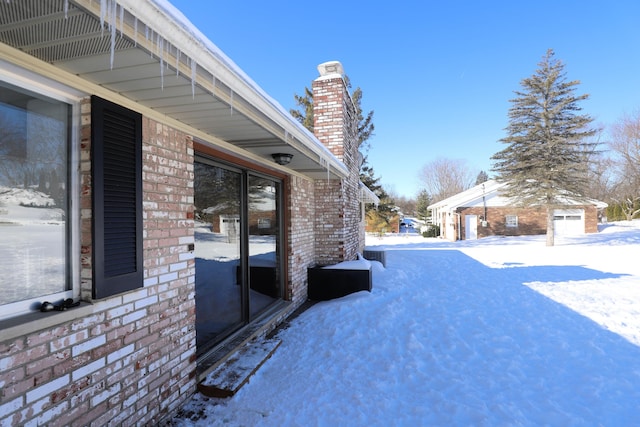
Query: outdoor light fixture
{"type": "Point", "coordinates": [282, 158]}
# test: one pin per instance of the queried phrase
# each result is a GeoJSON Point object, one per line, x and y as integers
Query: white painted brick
{"type": "Point", "coordinates": [5, 363]}
{"type": "Point", "coordinates": [101, 397]}
{"type": "Point", "coordinates": [132, 317]}
{"type": "Point", "coordinates": [168, 277]}
{"type": "Point", "coordinates": [50, 415]}
{"type": "Point", "coordinates": [11, 406]}
{"type": "Point", "coordinates": [186, 256]}
{"type": "Point", "coordinates": [133, 296]}
{"type": "Point", "coordinates": [151, 281]}
{"type": "Point", "coordinates": [131, 400]}
{"type": "Point", "coordinates": [145, 302]}
{"type": "Point", "coordinates": [178, 266]}
{"type": "Point", "coordinates": [185, 240]}
{"type": "Point", "coordinates": [118, 354]}
{"type": "Point", "coordinates": [47, 388]}
{"type": "Point", "coordinates": [68, 340]}
{"type": "Point", "coordinates": [40, 405]}
{"type": "Point", "coordinates": [88, 345]}
{"type": "Point", "coordinates": [88, 369]}
{"type": "Point", "coordinates": [119, 311]}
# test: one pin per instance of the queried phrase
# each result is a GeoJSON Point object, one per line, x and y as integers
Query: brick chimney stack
{"type": "Point", "coordinates": [332, 109]}
{"type": "Point", "coordinates": [338, 219]}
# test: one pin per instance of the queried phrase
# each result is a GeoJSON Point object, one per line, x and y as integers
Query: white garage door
{"type": "Point", "coordinates": [568, 222]}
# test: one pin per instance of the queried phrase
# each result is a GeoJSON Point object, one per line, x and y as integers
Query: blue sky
{"type": "Point", "coordinates": [438, 74]}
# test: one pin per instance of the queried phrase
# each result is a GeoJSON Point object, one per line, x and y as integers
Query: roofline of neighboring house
{"type": "Point", "coordinates": [468, 195]}
{"type": "Point", "coordinates": [487, 188]}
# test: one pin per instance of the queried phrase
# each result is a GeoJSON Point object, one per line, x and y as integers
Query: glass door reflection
{"type": "Point", "coordinates": [264, 232]}
{"type": "Point", "coordinates": [218, 204]}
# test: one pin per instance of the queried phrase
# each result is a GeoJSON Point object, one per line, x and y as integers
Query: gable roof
{"type": "Point", "coordinates": [147, 56]}
{"type": "Point", "coordinates": [490, 191]}
{"type": "Point", "coordinates": [468, 196]}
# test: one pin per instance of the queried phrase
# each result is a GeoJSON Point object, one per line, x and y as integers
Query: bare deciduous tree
{"type": "Point", "coordinates": [444, 178]}
{"type": "Point", "coordinates": [625, 147]}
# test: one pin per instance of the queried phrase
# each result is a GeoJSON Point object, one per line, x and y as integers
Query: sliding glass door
{"type": "Point", "coordinates": [264, 234]}
{"type": "Point", "coordinates": [237, 248]}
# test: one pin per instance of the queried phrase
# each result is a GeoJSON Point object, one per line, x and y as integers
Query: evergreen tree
{"type": "Point", "coordinates": [305, 114]}
{"type": "Point", "coordinates": [422, 203]}
{"type": "Point", "coordinates": [365, 128]}
{"type": "Point", "coordinates": [386, 207]}
{"type": "Point", "coordinates": [547, 142]}
{"type": "Point", "coordinates": [365, 124]}
{"type": "Point", "coordinates": [482, 177]}
{"type": "Point", "coordinates": [305, 117]}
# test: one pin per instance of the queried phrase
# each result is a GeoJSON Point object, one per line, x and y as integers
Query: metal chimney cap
{"type": "Point", "coordinates": [330, 67]}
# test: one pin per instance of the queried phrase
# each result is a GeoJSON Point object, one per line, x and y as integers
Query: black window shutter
{"type": "Point", "coordinates": [116, 145]}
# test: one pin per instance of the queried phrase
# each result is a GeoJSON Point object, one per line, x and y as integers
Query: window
{"type": "Point", "coordinates": [511, 220]}
{"type": "Point", "coordinates": [116, 143]}
{"type": "Point", "coordinates": [36, 183]}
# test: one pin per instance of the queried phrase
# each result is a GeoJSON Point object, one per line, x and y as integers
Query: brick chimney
{"type": "Point", "coordinates": [338, 221]}
{"type": "Point", "coordinates": [332, 107]}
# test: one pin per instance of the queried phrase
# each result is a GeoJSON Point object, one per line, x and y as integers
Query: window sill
{"type": "Point", "coordinates": [34, 321]}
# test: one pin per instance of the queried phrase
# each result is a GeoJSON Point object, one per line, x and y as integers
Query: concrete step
{"type": "Point", "coordinates": [236, 371]}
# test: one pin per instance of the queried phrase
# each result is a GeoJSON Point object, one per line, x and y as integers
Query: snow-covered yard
{"type": "Point", "coordinates": [499, 331]}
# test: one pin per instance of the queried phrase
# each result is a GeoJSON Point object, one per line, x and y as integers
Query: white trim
{"type": "Point", "coordinates": [513, 223]}
{"type": "Point", "coordinates": [572, 222]}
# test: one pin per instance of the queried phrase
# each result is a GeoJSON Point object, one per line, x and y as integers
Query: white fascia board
{"type": "Point", "coordinates": [469, 196]}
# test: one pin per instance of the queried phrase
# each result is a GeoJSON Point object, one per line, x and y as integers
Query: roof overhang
{"type": "Point", "coordinates": [147, 52]}
{"type": "Point", "coordinates": [368, 196]}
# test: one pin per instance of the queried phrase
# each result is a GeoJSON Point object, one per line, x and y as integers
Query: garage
{"type": "Point", "coordinates": [568, 222]}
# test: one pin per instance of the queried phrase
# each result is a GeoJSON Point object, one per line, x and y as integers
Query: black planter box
{"type": "Point", "coordinates": [330, 283]}
{"type": "Point", "coordinates": [261, 279]}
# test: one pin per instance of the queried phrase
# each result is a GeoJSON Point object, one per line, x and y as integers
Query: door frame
{"type": "Point", "coordinates": [246, 171]}
{"type": "Point", "coordinates": [471, 225]}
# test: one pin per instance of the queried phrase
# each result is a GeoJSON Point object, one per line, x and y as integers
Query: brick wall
{"type": "Point", "coordinates": [301, 239]}
{"type": "Point", "coordinates": [339, 231]}
{"type": "Point", "coordinates": [338, 222]}
{"type": "Point", "coordinates": [329, 109]}
{"type": "Point", "coordinates": [531, 221]}
{"type": "Point", "coordinates": [129, 359]}
{"type": "Point", "coordinates": [590, 219]}
{"type": "Point", "coordinates": [329, 222]}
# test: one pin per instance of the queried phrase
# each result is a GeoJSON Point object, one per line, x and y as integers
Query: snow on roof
{"type": "Point", "coordinates": [469, 195]}
{"type": "Point", "coordinates": [491, 188]}
{"type": "Point", "coordinates": [197, 46]}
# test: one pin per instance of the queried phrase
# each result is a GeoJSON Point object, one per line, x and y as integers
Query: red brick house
{"type": "Point", "coordinates": [163, 205]}
{"type": "Point", "coordinates": [482, 211]}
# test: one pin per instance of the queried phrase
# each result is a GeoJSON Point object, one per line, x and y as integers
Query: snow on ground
{"type": "Point", "coordinates": [498, 331]}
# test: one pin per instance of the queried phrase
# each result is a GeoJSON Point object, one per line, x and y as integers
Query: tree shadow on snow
{"type": "Point", "coordinates": [507, 354]}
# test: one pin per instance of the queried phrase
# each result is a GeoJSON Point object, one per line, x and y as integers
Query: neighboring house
{"type": "Point", "coordinates": [482, 211]}
{"type": "Point", "coordinates": [174, 206]}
